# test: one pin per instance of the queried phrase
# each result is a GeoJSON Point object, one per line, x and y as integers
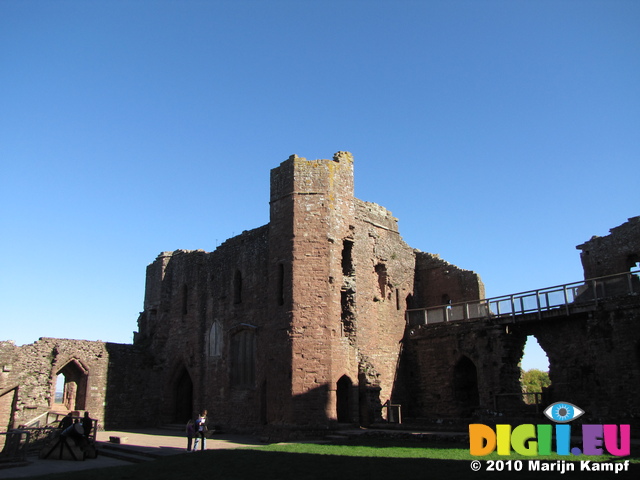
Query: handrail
{"type": "Point", "coordinates": [530, 302]}
{"type": "Point", "coordinates": [35, 422]}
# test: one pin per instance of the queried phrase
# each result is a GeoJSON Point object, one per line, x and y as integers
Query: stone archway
{"type": "Point", "coordinates": [465, 386]}
{"type": "Point", "coordinates": [344, 391]}
{"type": "Point", "coordinates": [183, 397]}
{"type": "Point", "coordinates": [74, 395]}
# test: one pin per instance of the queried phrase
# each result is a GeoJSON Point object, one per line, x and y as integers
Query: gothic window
{"type": "Point", "coordinates": [243, 357]}
{"type": "Point", "coordinates": [215, 340]}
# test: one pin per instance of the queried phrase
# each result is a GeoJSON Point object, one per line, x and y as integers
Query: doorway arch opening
{"type": "Point", "coordinates": [344, 392]}
{"type": "Point", "coordinates": [465, 385]}
{"type": "Point", "coordinates": [183, 391]}
{"type": "Point", "coordinates": [534, 378]}
{"type": "Point", "coordinates": [70, 389]}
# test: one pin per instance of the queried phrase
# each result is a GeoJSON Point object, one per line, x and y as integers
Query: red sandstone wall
{"type": "Point", "coordinates": [439, 282]}
{"type": "Point", "coordinates": [384, 266]}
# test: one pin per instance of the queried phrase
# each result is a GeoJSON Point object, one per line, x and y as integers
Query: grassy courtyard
{"type": "Point", "coordinates": [364, 458]}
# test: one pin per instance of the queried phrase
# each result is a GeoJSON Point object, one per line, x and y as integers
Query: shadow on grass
{"type": "Point", "coordinates": [274, 465]}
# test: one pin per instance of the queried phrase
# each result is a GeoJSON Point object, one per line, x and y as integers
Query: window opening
{"type": "Point", "coordinates": [215, 340]}
{"type": "Point", "coordinates": [347, 258]}
{"type": "Point", "coordinates": [59, 393]}
{"type": "Point", "coordinates": [381, 270]}
{"type": "Point", "coordinates": [347, 314]}
{"type": "Point", "coordinates": [243, 358]}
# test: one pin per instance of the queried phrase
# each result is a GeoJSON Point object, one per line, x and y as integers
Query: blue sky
{"type": "Point", "coordinates": [501, 134]}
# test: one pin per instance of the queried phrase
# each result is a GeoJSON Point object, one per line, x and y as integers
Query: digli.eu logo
{"type": "Point", "coordinates": [531, 440]}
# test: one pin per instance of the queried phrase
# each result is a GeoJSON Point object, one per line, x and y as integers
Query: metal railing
{"type": "Point", "coordinates": [558, 298]}
{"type": "Point", "coordinates": [44, 419]}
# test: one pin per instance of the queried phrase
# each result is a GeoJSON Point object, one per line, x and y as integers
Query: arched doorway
{"type": "Point", "coordinates": [183, 410]}
{"type": "Point", "coordinates": [344, 389]}
{"type": "Point", "coordinates": [72, 381]}
{"type": "Point", "coordinates": [465, 385]}
{"type": "Point", "coordinates": [534, 379]}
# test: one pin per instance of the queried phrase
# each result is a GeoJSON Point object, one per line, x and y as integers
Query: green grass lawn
{"type": "Point", "coordinates": [358, 459]}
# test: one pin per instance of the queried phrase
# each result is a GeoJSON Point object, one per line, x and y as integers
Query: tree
{"type": "Point", "coordinates": [533, 381]}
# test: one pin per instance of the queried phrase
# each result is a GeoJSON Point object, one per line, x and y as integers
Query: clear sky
{"type": "Point", "coordinates": [501, 133]}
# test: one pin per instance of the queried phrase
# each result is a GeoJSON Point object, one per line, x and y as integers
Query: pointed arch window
{"type": "Point", "coordinates": [243, 356]}
{"type": "Point", "coordinates": [215, 340]}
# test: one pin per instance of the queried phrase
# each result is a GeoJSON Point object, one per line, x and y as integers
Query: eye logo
{"type": "Point", "coordinates": [563, 412]}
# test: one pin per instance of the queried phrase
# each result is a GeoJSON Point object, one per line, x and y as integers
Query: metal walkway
{"type": "Point", "coordinates": [533, 304]}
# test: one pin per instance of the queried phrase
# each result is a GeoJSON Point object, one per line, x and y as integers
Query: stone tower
{"type": "Point", "coordinates": [346, 273]}
{"type": "Point", "coordinates": [311, 210]}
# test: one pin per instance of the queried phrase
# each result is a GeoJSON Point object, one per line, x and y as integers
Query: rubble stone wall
{"type": "Point", "coordinates": [614, 253]}
{"type": "Point", "coordinates": [108, 380]}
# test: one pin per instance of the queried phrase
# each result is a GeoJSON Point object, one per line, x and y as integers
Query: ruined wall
{"type": "Point", "coordinates": [195, 304]}
{"type": "Point", "coordinates": [594, 362]}
{"type": "Point", "coordinates": [383, 280]}
{"type": "Point", "coordinates": [456, 369]}
{"type": "Point", "coordinates": [318, 296]}
{"type": "Point", "coordinates": [28, 379]}
{"type": "Point", "coordinates": [615, 253]}
{"type": "Point", "coordinates": [438, 282]}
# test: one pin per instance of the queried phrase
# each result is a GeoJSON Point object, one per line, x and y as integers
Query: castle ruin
{"type": "Point", "coordinates": [301, 323]}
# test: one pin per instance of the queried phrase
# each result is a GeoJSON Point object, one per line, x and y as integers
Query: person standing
{"type": "Point", "coordinates": [201, 430]}
{"type": "Point", "coordinates": [87, 424]}
{"type": "Point", "coordinates": [190, 434]}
